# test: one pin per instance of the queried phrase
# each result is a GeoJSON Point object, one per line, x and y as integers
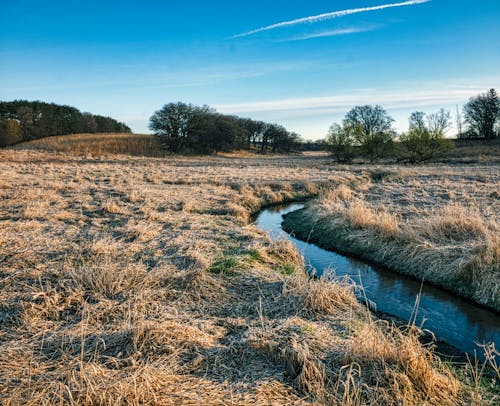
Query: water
{"type": "Point", "coordinates": [451, 318]}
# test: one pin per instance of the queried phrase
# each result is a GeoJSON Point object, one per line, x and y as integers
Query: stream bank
{"type": "Point", "coordinates": [452, 319]}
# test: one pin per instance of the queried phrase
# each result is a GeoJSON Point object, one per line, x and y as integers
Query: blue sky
{"type": "Point", "coordinates": [269, 60]}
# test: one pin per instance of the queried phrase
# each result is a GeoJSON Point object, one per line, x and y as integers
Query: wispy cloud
{"type": "Point", "coordinates": [180, 77]}
{"type": "Point", "coordinates": [329, 16]}
{"type": "Point", "coordinates": [333, 33]}
{"type": "Point", "coordinates": [391, 99]}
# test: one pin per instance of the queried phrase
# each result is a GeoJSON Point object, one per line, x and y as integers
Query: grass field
{"type": "Point", "coordinates": [139, 280]}
{"type": "Point", "coordinates": [440, 224]}
{"type": "Point", "coordinates": [98, 145]}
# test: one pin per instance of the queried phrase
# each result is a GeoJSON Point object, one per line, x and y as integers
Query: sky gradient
{"type": "Point", "coordinates": [302, 64]}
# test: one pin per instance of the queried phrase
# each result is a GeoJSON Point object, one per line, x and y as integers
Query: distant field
{"type": "Point", "coordinates": [145, 145]}
{"type": "Point", "coordinates": [98, 145]}
{"type": "Point", "coordinates": [128, 279]}
{"type": "Point", "coordinates": [475, 151]}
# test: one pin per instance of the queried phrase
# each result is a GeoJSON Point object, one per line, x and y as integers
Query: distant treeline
{"type": "Point", "coordinates": [367, 132]}
{"type": "Point", "coordinates": [182, 127]}
{"type": "Point", "coordinates": [22, 120]}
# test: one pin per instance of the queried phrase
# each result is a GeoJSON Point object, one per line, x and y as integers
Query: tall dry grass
{"type": "Point", "coordinates": [440, 225]}
{"type": "Point", "coordinates": [98, 145]}
{"type": "Point", "coordinates": [131, 280]}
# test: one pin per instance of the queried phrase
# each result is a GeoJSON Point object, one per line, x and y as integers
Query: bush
{"type": "Point", "coordinates": [340, 143]}
{"type": "Point", "coordinates": [10, 132]}
{"type": "Point", "coordinates": [377, 145]}
{"type": "Point", "coordinates": [425, 138]}
{"type": "Point", "coordinates": [420, 146]}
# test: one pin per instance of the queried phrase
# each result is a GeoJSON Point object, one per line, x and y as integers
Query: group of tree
{"type": "Point", "coordinates": [22, 120]}
{"type": "Point", "coordinates": [182, 127]}
{"type": "Point", "coordinates": [367, 131]}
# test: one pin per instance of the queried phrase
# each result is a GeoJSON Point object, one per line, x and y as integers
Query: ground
{"type": "Point", "coordinates": [141, 280]}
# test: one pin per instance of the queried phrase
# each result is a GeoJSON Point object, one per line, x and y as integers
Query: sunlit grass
{"type": "Point", "coordinates": [129, 279]}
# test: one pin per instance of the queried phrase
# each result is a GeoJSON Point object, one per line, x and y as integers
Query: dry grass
{"type": "Point", "coordinates": [133, 280]}
{"type": "Point", "coordinates": [322, 295]}
{"type": "Point", "coordinates": [338, 193]}
{"type": "Point", "coordinates": [98, 145]}
{"type": "Point", "coordinates": [359, 215]}
{"type": "Point", "coordinates": [475, 151]}
{"type": "Point", "coordinates": [369, 362]}
{"type": "Point", "coordinates": [395, 357]}
{"type": "Point", "coordinates": [456, 222]}
{"type": "Point", "coordinates": [437, 223]}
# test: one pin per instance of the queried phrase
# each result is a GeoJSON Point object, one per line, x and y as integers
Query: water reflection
{"type": "Point", "coordinates": [451, 318]}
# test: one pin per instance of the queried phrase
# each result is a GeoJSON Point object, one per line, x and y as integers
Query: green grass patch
{"type": "Point", "coordinates": [307, 329]}
{"type": "Point", "coordinates": [286, 268]}
{"type": "Point", "coordinates": [254, 255]}
{"type": "Point", "coordinates": [224, 266]}
{"type": "Point", "coordinates": [481, 378]}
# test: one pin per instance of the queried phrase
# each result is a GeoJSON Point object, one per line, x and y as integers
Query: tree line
{"type": "Point", "coordinates": [22, 120]}
{"type": "Point", "coordinates": [182, 127]}
{"type": "Point", "coordinates": [367, 131]}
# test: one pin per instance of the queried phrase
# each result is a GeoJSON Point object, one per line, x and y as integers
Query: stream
{"type": "Point", "coordinates": [452, 319]}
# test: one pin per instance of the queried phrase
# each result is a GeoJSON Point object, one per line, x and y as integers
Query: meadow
{"type": "Point", "coordinates": [134, 278]}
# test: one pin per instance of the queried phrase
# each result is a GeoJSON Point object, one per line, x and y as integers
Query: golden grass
{"type": "Point", "coordinates": [91, 145]}
{"type": "Point", "coordinates": [359, 215]}
{"type": "Point", "coordinates": [322, 295]}
{"type": "Point", "coordinates": [133, 280]}
{"type": "Point", "coordinates": [437, 223]}
{"type": "Point", "coordinates": [396, 357]}
{"type": "Point", "coordinates": [109, 280]}
{"type": "Point", "coordinates": [456, 222]}
{"type": "Point", "coordinates": [342, 193]}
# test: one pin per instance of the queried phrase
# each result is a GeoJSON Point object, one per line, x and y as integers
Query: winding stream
{"type": "Point", "coordinates": [451, 318]}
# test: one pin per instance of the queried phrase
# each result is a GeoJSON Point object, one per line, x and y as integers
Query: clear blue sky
{"type": "Point", "coordinates": [126, 59]}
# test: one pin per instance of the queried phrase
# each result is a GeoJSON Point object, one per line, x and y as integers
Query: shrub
{"type": "Point", "coordinates": [10, 132]}
{"type": "Point", "coordinates": [341, 143]}
{"type": "Point", "coordinates": [426, 137]}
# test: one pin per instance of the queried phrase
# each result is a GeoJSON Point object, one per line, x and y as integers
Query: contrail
{"type": "Point", "coordinates": [329, 16]}
{"type": "Point", "coordinates": [332, 33]}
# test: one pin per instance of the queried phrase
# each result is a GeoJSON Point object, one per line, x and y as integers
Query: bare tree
{"type": "Point", "coordinates": [438, 123]}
